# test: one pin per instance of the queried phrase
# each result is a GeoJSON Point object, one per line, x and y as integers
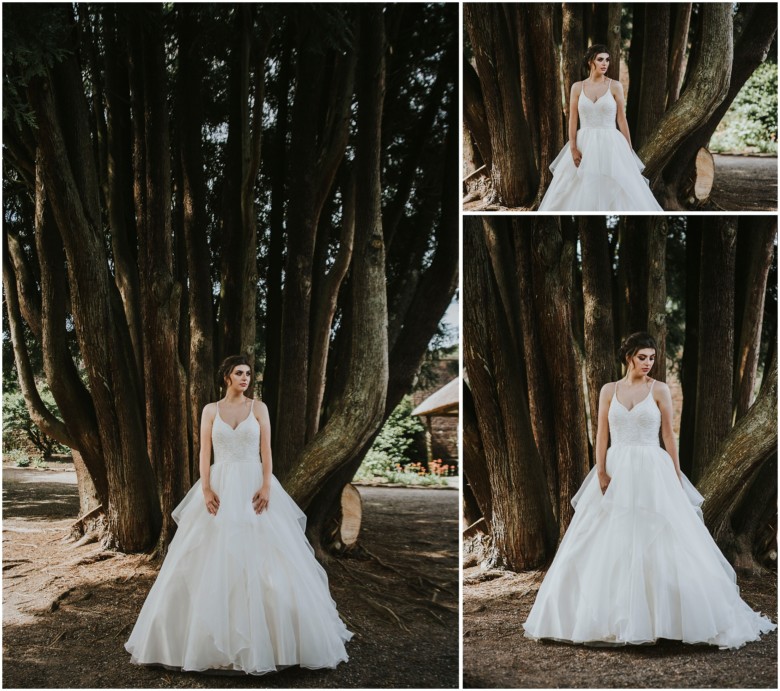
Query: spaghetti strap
{"type": "Point", "coordinates": [614, 393]}
{"type": "Point", "coordinates": [652, 383]}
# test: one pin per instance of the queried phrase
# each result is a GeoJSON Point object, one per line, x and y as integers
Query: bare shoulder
{"type": "Point", "coordinates": [209, 412]}
{"type": "Point", "coordinates": [575, 85]}
{"type": "Point", "coordinates": [608, 388]}
{"type": "Point", "coordinates": [261, 409]}
{"type": "Point", "coordinates": [661, 388]}
{"type": "Point", "coordinates": [616, 86]}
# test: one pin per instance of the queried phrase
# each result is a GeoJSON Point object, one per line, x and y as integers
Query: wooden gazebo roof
{"type": "Point", "coordinates": [444, 402]}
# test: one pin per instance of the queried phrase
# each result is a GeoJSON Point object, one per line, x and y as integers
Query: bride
{"type": "Point", "coordinates": [240, 589]}
{"type": "Point", "coordinates": [598, 170]}
{"type": "Point", "coordinates": [637, 562]}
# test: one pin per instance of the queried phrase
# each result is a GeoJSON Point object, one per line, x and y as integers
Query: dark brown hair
{"type": "Point", "coordinates": [229, 364]}
{"type": "Point", "coordinates": [591, 54]}
{"type": "Point", "coordinates": [634, 343]}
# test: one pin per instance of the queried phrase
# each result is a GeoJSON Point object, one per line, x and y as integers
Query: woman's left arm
{"type": "Point", "coordinates": [262, 496]}
{"type": "Point", "coordinates": [664, 400]}
{"type": "Point", "coordinates": [622, 123]}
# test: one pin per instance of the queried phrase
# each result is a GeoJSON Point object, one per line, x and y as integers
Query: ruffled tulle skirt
{"type": "Point", "coordinates": [609, 177]}
{"type": "Point", "coordinates": [239, 591]}
{"type": "Point", "coordinates": [638, 564]}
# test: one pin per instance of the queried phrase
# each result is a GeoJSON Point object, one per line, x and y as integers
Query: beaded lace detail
{"type": "Point", "coordinates": [241, 444]}
{"type": "Point", "coordinates": [636, 427]}
{"type": "Point", "coordinates": [600, 113]}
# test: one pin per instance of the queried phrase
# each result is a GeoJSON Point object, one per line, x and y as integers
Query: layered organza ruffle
{"type": "Point", "coordinates": [638, 564]}
{"type": "Point", "coordinates": [239, 591]}
{"type": "Point", "coordinates": [609, 177]}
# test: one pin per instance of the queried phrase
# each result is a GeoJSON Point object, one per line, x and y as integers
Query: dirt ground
{"type": "Point", "coordinates": [497, 655]}
{"type": "Point", "coordinates": [67, 610]}
{"type": "Point", "coordinates": [742, 183]}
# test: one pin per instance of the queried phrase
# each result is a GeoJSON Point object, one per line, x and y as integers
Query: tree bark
{"type": "Point", "coordinates": [552, 272]}
{"type": "Point", "coordinates": [573, 47]}
{"type": "Point", "coordinates": [512, 172]}
{"type": "Point", "coordinates": [739, 457]}
{"type": "Point", "coordinates": [522, 525]}
{"type": "Point", "coordinates": [599, 328]}
{"type": "Point", "coordinates": [658, 234]}
{"type": "Point", "coordinates": [755, 249]}
{"type": "Point", "coordinates": [652, 92]}
{"type": "Point", "coordinates": [474, 466]}
{"type": "Point", "coordinates": [705, 90]}
{"type": "Point", "coordinates": [716, 336]}
{"type": "Point", "coordinates": [614, 11]}
{"type": "Point", "coordinates": [678, 45]}
{"type": "Point", "coordinates": [474, 115]}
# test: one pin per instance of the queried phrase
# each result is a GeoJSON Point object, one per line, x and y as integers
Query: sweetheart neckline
{"type": "Point", "coordinates": [636, 405]}
{"type": "Point", "coordinates": [587, 98]}
{"type": "Point", "coordinates": [233, 429]}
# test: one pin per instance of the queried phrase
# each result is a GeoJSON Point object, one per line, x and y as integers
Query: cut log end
{"type": "Point", "coordinates": [705, 175]}
{"type": "Point", "coordinates": [351, 516]}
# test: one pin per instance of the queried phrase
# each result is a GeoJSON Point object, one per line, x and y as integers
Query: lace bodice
{"type": "Point", "coordinates": [241, 444]}
{"type": "Point", "coordinates": [636, 427]}
{"type": "Point", "coordinates": [601, 113]}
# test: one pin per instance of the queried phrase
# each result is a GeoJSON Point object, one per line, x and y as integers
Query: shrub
{"type": "Point", "coordinates": [750, 124]}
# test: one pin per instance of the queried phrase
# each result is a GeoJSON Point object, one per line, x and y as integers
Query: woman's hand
{"type": "Point", "coordinates": [604, 481]}
{"type": "Point", "coordinates": [260, 499]}
{"type": "Point", "coordinates": [577, 156]}
{"type": "Point", "coordinates": [212, 500]}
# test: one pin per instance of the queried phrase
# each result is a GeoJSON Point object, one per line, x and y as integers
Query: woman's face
{"type": "Point", "coordinates": [239, 378]}
{"type": "Point", "coordinates": [600, 64]}
{"type": "Point", "coordinates": [643, 360]}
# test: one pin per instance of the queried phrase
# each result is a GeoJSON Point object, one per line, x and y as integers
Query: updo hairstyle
{"type": "Point", "coordinates": [229, 364]}
{"type": "Point", "coordinates": [634, 343]}
{"type": "Point", "coordinates": [591, 54]}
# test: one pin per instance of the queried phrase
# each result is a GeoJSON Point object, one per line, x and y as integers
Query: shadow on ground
{"type": "Point", "coordinates": [68, 611]}
{"type": "Point", "coordinates": [497, 655]}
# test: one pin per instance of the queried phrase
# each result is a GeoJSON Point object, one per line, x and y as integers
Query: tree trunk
{"type": "Point", "coordinates": [512, 172]}
{"type": "Point", "coordinates": [474, 115]}
{"type": "Point", "coordinates": [475, 469]}
{"type": "Point", "coordinates": [573, 47]}
{"type": "Point", "coordinates": [522, 525]}
{"type": "Point", "coordinates": [537, 52]}
{"type": "Point", "coordinates": [755, 249]}
{"type": "Point", "coordinates": [614, 11]}
{"type": "Point", "coordinates": [678, 48]}
{"type": "Point", "coordinates": [635, 54]}
{"type": "Point", "coordinates": [652, 92]}
{"type": "Point", "coordinates": [716, 336]}
{"type": "Point", "coordinates": [552, 262]}
{"type": "Point", "coordinates": [749, 52]}
{"type": "Point", "coordinates": [689, 367]}
{"type": "Point", "coordinates": [658, 234]}
{"type": "Point", "coordinates": [705, 90]}
{"type": "Point", "coordinates": [165, 402]}
{"type": "Point", "coordinates": [133, 513]}
{"type": "Point", "coordinates": [739, 457]}
{"type": "Point", "coordinates": [599, 329]}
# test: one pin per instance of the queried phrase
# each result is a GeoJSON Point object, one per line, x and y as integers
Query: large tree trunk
{"type": "Point", "coordinates": [678, 49]}
{"type": "Point", "coordinates": [705, 90]}
{"type": "Point", "coordinates": [739, 457]}
{"type": "Point", "coordinates": [133, 513]}
{"type": "Point", "coordinates": [474, 115]}
{"type": "Point", "coordinates": [599, 329]}
{"type": "Point", "coordinates": [657, 235]}
{"type": "Point", "coordinates": [749, 52]}
{"type": "Point", "coordinates": [755, 249]}
{"type": "Point", "coordinates": [193, 189]}
{"type": "Point", "coordinates": [522, 525]}
{"type": "Point", "coordinates": [572, 48]}
{"type": "Point", "coordinates": [474, 466]}
{"type": "Point", "coordinates": [165, 402]}
{"type": "Point", "coordinates": [359, 411]}
{"type": "Point", "coordinates": [512, 172]}
{"type": "Point", "coordinates": [552, 275]}
{"type": "Point", "coordinates": [652, 91]}
{"type": "Point", "coordinates": [716, 338]}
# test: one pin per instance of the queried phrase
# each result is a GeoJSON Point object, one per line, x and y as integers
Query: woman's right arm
{"type": "Point", "coordinates": [210, 497]}
{"type": "Point", "coordinates": [602, 436]}
{"type": "Point", "coordinates": [573, 118]}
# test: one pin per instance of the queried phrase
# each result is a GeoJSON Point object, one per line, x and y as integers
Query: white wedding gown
{"type": "Point", "coordinates": [239, 591]}
{"type": "Point", "coordinates": [609, 177]}
{"type": "Point", "coordinates": [637, 563]}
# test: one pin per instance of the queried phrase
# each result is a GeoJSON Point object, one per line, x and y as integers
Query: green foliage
{"type": "Point", "coordinates": [391, 458]}
{"type": "Point", "coordinates": [396, 443]}
{"type": "Point", "coordinates": [750, 125]}
{"type": "Point", "coordinates": [20, 433]}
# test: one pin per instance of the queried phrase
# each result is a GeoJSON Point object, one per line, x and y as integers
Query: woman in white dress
{"type": "Point", "coordinates": [637, 562]}
{"type": "Point", "coordinates": [598, 169]}
{"type": "Point", "coordinates": [240, 589]}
